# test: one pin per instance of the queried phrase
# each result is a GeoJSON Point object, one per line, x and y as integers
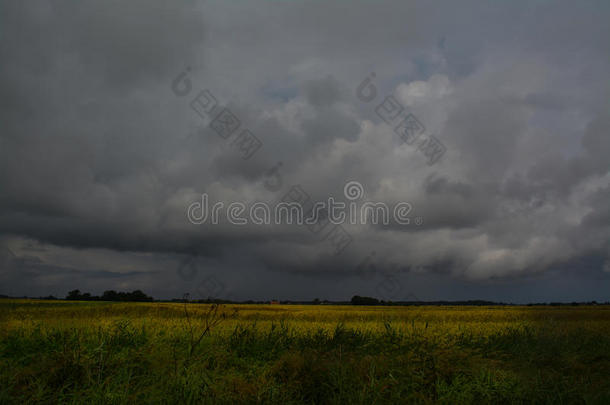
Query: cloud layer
{"type": "Point", "coordinates": [99, 158]}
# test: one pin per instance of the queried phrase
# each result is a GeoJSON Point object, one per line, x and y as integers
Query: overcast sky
{"type": "Point", "coordinates": [101, 152]}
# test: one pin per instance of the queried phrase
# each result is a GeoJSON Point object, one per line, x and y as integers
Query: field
{"type": "Point", "coordinates": [106, 353]}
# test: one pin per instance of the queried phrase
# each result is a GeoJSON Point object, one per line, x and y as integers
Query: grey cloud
{"type": "Point", "coordinates": [97, 152]}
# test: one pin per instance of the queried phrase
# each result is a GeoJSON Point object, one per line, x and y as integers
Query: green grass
{"type": "Point", "coordinates": [112, 353]}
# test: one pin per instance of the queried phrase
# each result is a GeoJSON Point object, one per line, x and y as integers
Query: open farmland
{"type": "Point", "coordinates": [99, 352]}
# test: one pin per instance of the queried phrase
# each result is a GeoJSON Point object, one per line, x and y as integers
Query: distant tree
{"type": "Point", "coordinates": [138, 296]}
{"type": "Point", "coordinates": [358, 300]}
{"type": "Point", "coordinates": [316, 301]}
{"type": "Point", "coordinates": [74, 295]}
{"type": "Point", "coordinates": [110, 295]}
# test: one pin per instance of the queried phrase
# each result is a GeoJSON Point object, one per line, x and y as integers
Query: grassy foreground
{"type": "Point", "coordinates": [106, 353]}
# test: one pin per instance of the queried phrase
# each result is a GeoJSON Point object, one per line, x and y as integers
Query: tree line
{"type": "Point", "coordinates": [139, 296]}
{"type": "Point", "coordinates": [110, 295]}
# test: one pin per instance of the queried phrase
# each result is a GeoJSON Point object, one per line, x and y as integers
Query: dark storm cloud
{"type": "Point", "coordinates": [99, 157]}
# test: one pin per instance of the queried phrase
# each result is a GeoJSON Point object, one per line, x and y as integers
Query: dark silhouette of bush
{"type": "Point", "coordinates": [74, 295]}
{"type": "Point", "coordinates": [358, 300]}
